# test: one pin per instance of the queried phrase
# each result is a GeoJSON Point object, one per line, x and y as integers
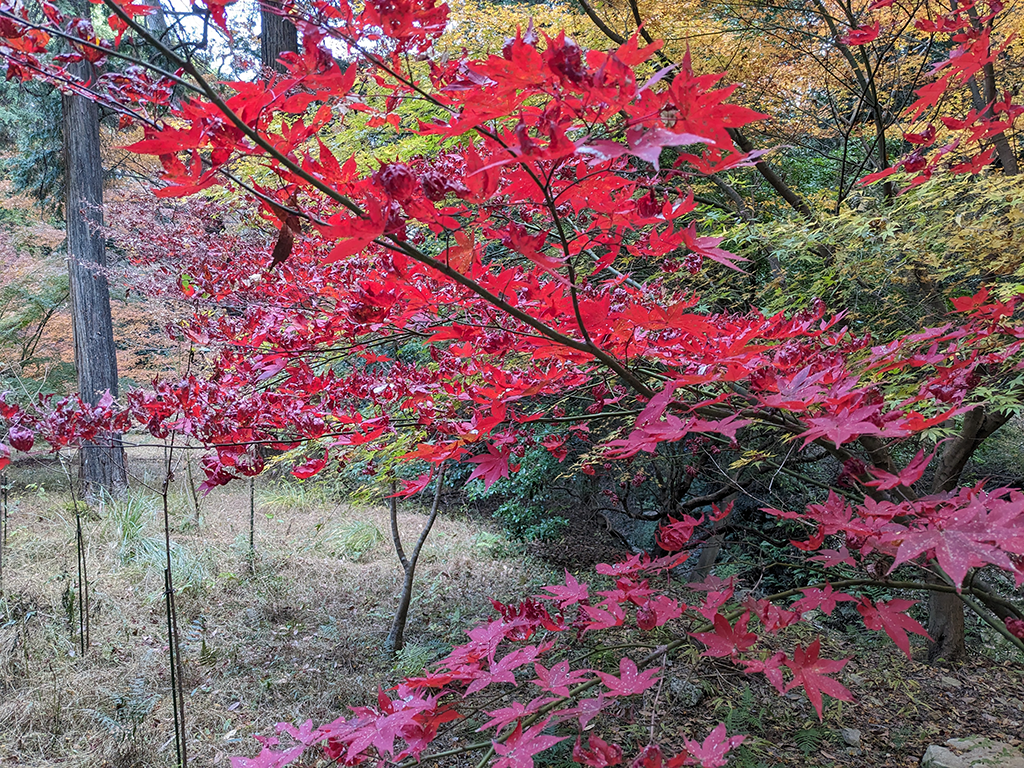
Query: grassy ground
{"type": "Point", "coordinates": [296, 632]}
{"type": "Point", "coordinates": [293, 634]}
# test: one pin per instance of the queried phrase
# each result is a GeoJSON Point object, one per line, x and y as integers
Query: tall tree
{"type": "Point", "coordinates": [278, 35]}
{"type": "Point", "coordinates": [102, 462]}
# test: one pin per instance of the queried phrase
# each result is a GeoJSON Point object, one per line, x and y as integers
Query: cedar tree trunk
{"type": "Point", "coordinates": [278, 35]}
{"type": "Point", "coordinates": [102, 462]}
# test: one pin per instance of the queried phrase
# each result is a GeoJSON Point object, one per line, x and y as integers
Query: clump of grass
{"type": "Point", "coordinates": [352, 540]}
{"type": "Point", "coordinates": [127, 521]}
{"type": "Point", "coordinates": [140, 546]}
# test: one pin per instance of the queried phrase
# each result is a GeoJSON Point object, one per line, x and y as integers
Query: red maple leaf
{"type": "Point", "coordinates": [630, 680]}
{"type": "Point", "coordinates": [517, 711]}
{"type": "Point", "coordinates": [708, 247]}
{"type": "Point", "coordinates": [964, 539]}
{"type": "Point", "coordinates": [715, 599]}
{"type": "Point", "coordinates": [727, 640]}
{"type": "Point", "coordinates": [586, 710]}
{"type": "Point", "coordinates": [712, 752]}
{"type": "Point", "coordinates": [773, 618]}
{"type": "Point", "coordinates": [649, 757]}
{"type": "Point", "coordinates": [573, 592]}
{"type": "Point", "coordinates": [412, 487]}
{"type": "Point", "coordinates": [604, 619]}
{"type": "Point", "coordinates": [823, 599]}
{"type": "Point", "coordinates": [675, 535]}
{"type": "Point", "coordinates": [309, 468]}
{"type": "Point", "coordinates": [843, 425]}
{"type": "Point", "coordinates": [976, 164]}
{"type": "Point", "coordinates": [892, 618]}
{"type": "Point", "coordinates": [647, 144]}
{"type": "Point", "coordinates": [830, 558]}
{"type": "Point", "coordinates": [502, 671]}
{"type": "Point", "coordinates": [599, 755]}
{"type": "Point", "coordinates": [910, 474]}
{"type": "Point", "coordinates": [770, 668]}
{"type": "Point", "coordinates": [812, 673]}
{"type": "Point", "coordinates": [861, 35]}
{"type": "Point", "coordinates": [559, 677]}
{"type": "Point", "coordinates": [519, 749]}
{"type": "Point", "coordinates": [491, 466]}
{"type": "Point", "coordinates": [385, 723]}
{"type": "Point", "coordinates": [658, 611]}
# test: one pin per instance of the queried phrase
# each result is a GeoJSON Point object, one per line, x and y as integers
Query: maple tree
{"type": "Point", "coordinates": [543, 249]}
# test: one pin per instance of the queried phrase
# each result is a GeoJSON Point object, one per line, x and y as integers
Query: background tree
{"type": "Point", "coordinates": [277, 34]}
{"type": "Point", "coordinates": [102, 461]}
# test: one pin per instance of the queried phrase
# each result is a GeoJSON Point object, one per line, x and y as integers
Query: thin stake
{"type": "Point", "coordinates": [83, 571]}
{"type": "Point", "coordinates": [82, 605]}
{"type": "Point", "coordinates": [168, 591]}
{"type": "Point", "coordinates": [252, 525]}
{"type": "Point", "coordinates": [3, 527]}
{"type": "Point", "coordinates": [173, 648]}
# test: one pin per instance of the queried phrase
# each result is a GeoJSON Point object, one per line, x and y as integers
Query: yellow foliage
{"type": "Point", "coordinates": [788, 64]}
{"type": "Point", "coordinates": [481, 28]}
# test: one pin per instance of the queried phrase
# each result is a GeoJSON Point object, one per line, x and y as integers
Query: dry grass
{"type": "Point", "coordinates": [296, 639]}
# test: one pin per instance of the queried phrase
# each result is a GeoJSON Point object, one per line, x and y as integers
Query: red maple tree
{"type": "Point", "coordinates": [511, 255]}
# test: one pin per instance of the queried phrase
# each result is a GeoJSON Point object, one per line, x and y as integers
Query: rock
{"type": "Point", "coordinates": [979, 752]}
{"type": "Point", "coordinates": [684, 692]}
{"type": "Point", "coordinates": [940, 757]}
{"type": "Point", "coordinates": [851, 736]}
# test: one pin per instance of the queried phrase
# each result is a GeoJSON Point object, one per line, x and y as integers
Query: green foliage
{"type": "Point", "coordinates": [130, 710]}
{"type": "Point", "coordinates": [26, 305]}
{"type": "Point", "coordinates": [412, 659]}
{"type": "Point", "coordinates": [291, 495]}
{"type": "Point", "coordinates": [808, 740]}
{"type": "Point", "coordinates": [128, 521]}
{"type": "Point", "coordinates": [742, 716]}
{"type": "Point", "coordinates": [37, 167]}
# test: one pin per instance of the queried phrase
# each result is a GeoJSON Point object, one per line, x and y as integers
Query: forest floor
{"type": "Point", "coordinates": [296, 633]}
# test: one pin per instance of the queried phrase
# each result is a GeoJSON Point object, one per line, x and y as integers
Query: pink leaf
{"type": "Point", "coordinates": [519, 749]}
{"type": "Point", "coordinates": [727, 640]}
{"type": "Point", "coordinates": [712, 752]}
{"type": "Point", "coordinates": [892, 618]}
{"type": "Point", "coordinates": [630, 680]}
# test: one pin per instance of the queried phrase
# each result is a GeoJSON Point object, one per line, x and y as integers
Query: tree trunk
{"type": "Point", "coordinates": [945, 610]}
{"type": "Point", "coordinates": [102, 462]}
{"type": "Point", "coordinates": [278, 35]}
{"type": "Point", "coordinates": [396, 637]}
{"type": "Point", "coordinates": [946, 628]}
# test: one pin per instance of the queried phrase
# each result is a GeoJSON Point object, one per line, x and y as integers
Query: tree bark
{"type": "Point", "coordinates": [946, 628]}
{"type": "Point", "coordinates": [278, 35]}
{"type": "Point", "coordinates": [102, 462]}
